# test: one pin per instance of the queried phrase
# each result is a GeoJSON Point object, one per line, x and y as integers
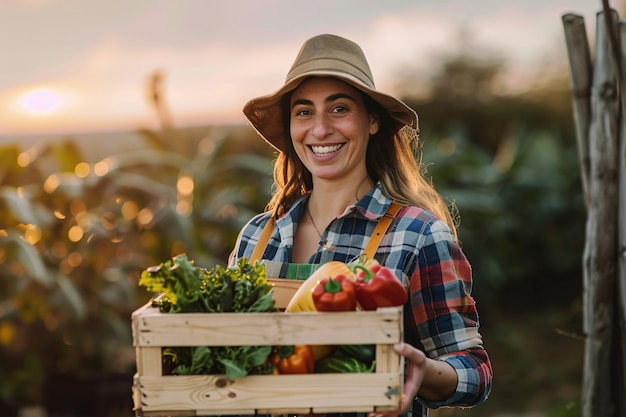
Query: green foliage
{"type": "Point", "coordinates": [509, 162]}
{"type": "Point", "coordinates": [76, 236]}
{"type": "Point", "coordinates": [186, 288]}
{"type": "Point", "coordinates": [570, 409]}
{"type": "Point", "coordinates": [522, 216]}
{"type": "Point", "coordinates": [189, 289]}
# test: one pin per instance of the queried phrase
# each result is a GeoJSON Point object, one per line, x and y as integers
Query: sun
{"type": "Point", "coordinates": [40, 101]}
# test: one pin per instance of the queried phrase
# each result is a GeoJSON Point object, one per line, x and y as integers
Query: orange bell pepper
{"type": "Point", "coordinates": [293, 359]}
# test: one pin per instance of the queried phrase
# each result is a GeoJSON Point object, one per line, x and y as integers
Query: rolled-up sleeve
{"type": "Point", "coordinates": [446, 317]}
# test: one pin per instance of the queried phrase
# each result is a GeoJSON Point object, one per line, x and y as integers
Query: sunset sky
{"type": "Point", "coordinates": [75, 66]}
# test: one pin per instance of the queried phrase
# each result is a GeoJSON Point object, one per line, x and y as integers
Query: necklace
{"type": "Point", "coordinates": [325, 244]}
{"type": "Point", "coordinates": [313, 222]}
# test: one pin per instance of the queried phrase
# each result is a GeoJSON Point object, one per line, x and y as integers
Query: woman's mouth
{"type": "Point", "coordinates": [325, 150]}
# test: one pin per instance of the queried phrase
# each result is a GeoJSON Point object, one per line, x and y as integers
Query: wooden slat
{"type": "Point", "coordinates": [383, 364]}
{"type": "Point", "coordinates": [237, 329]}
{"type": "Point", "coordinates": [149, 361]}
{"type": "Point", "coordinates": [213, 394]}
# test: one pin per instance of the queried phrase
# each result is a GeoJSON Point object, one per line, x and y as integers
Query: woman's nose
{"type": "Point", "coordinates": [322, 126]}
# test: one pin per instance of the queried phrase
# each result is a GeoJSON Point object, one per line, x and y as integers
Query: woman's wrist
{"type": "Point", "coordinates": [440, 381]}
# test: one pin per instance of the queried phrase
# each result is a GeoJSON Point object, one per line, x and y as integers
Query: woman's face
{"type": "Point", "coordinates": [330, 128]}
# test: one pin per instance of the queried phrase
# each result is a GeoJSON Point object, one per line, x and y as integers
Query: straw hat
{"type": "Point", "coordinates": [323, 55]}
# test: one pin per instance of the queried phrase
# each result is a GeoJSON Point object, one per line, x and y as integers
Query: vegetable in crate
{"type": "Point", "coordinates": [186, 288]}
{"type": "Point", "coordinates": [293, 359]}
{"type": "Point", "coordinates": [341, 364]}
{"type": "Point", "coordinates": [377, 286]}
{"type": "Point", "coordinates": [335, 294]}
{"type": "Point", "coordinates": [349, 358]}
{"type": "Point", "coordinates": [364, 353]}
{"type": "Point", "coordinates": [302, 300]}
{"type": "Point", "coordinates": [180, 283]}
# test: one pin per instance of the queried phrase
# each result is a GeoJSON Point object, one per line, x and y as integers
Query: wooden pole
{"type": "Point", "coordinates": [580, 81]}
{"type": "Point", "coordinates": [600, 252]}
{"type": "Point", "coordinates": [615, 45]}
{"type": "Point", "coordinates": [621, 277]}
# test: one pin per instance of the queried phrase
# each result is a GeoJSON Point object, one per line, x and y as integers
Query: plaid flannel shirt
{"type": "Point", "coordinates": [441, 318]}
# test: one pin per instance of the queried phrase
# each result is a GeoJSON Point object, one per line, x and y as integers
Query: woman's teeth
{"type": "Point", "coordinates": [325, 150]}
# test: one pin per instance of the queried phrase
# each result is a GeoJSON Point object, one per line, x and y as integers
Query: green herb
{"type": "Point", "coordinates": [186, 288]}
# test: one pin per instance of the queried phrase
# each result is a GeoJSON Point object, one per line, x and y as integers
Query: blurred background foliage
{"type": "Point", "coordinates": [75, 235]}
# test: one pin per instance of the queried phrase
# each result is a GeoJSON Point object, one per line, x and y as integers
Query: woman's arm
{"type": "Point", "coordinates": [433, 380]}
{"type": "Point", "coordinates": [445, 324]}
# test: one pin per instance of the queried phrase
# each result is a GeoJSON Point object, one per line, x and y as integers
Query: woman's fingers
{"type": "Point", "coordinates": [411, 353]}
{"type": "Point", "coordinates": [413, 380]}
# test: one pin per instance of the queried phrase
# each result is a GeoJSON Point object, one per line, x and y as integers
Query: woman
{"type": "Point", "coordinates": [345, 154]}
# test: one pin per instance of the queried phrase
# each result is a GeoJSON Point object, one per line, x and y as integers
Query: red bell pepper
{"type": "Point", "coordinates": [336, 293]}
{"type": "Point", "coordinates": [377, 286]}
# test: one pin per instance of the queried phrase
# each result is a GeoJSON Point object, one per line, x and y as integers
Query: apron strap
{"type": "Point", "coordinates": [381, 230]}
{"type": "Point", "coordinates": [259, 249]}
{"type": "Point", "coordinates": [370, 249]}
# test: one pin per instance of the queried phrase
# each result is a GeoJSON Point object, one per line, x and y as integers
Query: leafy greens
{"type": "Point", "coordinates": [186, 288]}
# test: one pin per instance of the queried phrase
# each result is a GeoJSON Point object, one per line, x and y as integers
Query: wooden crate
{"type": "Point", "coordinates": [283, 290]}
{"type": "Point", "coordinates": [155, 394]}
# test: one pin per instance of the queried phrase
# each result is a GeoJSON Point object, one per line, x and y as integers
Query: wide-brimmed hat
{"type": "Point", "coordinates": [323, 55]}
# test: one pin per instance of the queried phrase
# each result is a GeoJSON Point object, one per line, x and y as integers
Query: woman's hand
{"type": "Point", "coordinates": [436, 380]}
{"type": "Point", "coordinates": [416, 361]}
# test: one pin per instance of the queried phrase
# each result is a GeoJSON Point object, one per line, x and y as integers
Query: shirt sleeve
{"type": "Point", "coordinates": [446, 317]}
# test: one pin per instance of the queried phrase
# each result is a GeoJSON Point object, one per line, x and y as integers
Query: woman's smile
{"type": "Point", "coordinates": [325, 150]}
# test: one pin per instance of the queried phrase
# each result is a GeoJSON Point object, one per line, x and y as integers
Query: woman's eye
{"type": "Point", "coordinates": [339, 109]}
{"type": "Point", "coordinates": [302, 112]}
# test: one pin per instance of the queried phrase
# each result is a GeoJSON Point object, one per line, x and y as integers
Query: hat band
{"type": "Point", "coordinates": [330, 65]}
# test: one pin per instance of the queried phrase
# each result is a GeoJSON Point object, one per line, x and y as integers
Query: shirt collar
{"type": "Point", "coordinates": [372, 206]}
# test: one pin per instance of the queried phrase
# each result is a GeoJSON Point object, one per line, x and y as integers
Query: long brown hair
{"type": "Point", "coordinates": [394, 157]}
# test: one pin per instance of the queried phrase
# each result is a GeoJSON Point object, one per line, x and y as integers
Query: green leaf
{"type": "Point", "coordinates": [257, 355]}
{"type": "Point", "coordinates": [72, 295]}
{"type": "Point", "coordinates": [202, 361]}
{"type": "Point", "coordinates": [67, 155]}
{"type": "Point", "coordinates": [234, 368]}
{"type": "Point", "coordinates": [29, 257]}
{"type": "Point", "coordinates": [24, 207]}
{"type": "Point", "coordinates": [263, 304]}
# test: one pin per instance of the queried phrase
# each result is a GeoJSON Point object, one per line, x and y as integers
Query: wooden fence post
{"type": "Point", "coordinates": [621, 277]}
{"type": "Point", "coordinates": [599, 141]}
{"type": "Point", "coordinates": [581, 70]}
